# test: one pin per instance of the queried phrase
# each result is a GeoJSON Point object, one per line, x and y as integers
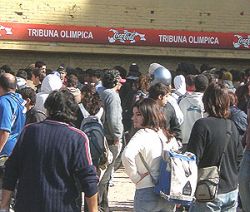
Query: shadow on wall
{"type": "Point", "coordinates": [20, 59]}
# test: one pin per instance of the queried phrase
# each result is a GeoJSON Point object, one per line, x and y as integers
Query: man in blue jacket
{"type": "Point", "coordinates": [12, 113]}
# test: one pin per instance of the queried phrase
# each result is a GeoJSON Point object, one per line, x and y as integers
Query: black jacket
{"type": "Point", "coordinates": [34, 115]}
{"type": "Point", "coordinates": [207, 142]}
{"type": "Point", "coordinates": [172, 121]}
{"type": "Point", "coordinates": [239, 118]}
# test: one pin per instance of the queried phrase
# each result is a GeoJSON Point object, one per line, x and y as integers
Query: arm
{"type": "Point", "coordinates": [175, 127]}
{"type": "Point", "coordinates": [11, 174]}
{"type": "Point", "coordinates": [84, 171]}
{"type": "Point", "coordinates": [92, 203]}
{"type": "Point", "coordinates": [6, 116]}
{"type": "Point", "coordinates": [128, 158]}
{"type": "Point", "coordinates": [12, 169]}
{"type": "Point", "coordinates": [237, 145]}
{"type": "Point", "coordinates": [239, 153]}
{"type": "Point", "coordinates": [4, 135]}
{"type": "Point", "coordinates": [172, 121]}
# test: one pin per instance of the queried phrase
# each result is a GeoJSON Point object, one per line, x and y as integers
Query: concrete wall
{"type": "Point", "coordinates": [22, 59]}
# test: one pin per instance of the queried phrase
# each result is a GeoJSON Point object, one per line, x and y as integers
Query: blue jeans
{"type": "Point", "coordinates": [244, 181]}
{"type": "Point", "coordinates": [146, 200]}
{"type": "Point", "coordinates": [224, 202]}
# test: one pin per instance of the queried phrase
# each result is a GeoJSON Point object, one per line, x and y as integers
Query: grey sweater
{"type": "Point", "coordinates": [113, 127]}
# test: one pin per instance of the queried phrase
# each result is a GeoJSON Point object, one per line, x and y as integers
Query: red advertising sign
{"type": "Point", "coordinates": [122, 36]}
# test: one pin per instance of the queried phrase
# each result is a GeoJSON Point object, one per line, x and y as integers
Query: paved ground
{"type": "Point", "coordinates": [122, 194]}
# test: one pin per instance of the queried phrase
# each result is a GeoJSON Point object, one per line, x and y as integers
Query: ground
{"type": "Point", "coordinates": [122, 193]}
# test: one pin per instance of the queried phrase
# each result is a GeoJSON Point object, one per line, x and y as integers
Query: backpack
{"type": "Point", "coordinates": [178, 177]}
{"type": "Point", "coordinates": [181, 97]}
{"type": "Point", "coordinates": [95, 132]}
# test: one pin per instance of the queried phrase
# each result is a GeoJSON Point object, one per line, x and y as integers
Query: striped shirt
{"type": "Point", "coordinates": [49, 160]}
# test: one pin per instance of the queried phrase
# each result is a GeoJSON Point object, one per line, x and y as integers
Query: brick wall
{"type": "Point", "coordinates": [198, 15]}
{"type": "Point", "coordinates": [195, 15]}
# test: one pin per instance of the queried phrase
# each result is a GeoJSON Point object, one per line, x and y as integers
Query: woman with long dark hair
{"type": "Point", "coordinates": [208, 140]}
{"type": "Point", "coordinates": [147, 141]}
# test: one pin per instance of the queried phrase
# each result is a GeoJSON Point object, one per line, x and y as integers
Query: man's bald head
{"type": "Point", "coordinates": [8, 82]}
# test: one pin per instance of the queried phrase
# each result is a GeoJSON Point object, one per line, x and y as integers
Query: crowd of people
{"type": "Point", "coordinates": [49, 160]}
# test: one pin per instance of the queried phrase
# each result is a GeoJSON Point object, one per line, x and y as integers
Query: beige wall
{"type": "Point", "coordinates": [194, 15]}
{"type": "Point", "coordinates": [198, 15]}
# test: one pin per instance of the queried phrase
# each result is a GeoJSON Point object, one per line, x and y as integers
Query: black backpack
{"type": "Point", "coordinates": [94, 130]}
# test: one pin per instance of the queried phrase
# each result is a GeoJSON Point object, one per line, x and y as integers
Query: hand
{"type": "Point", "coordinates": [6, 197]}
{"type": "Point", "coordinates": [4, 210]}
{"type": "Point", "coordinates": [142, 176]}
{"type": "Point", "coordinates": [116, 141]}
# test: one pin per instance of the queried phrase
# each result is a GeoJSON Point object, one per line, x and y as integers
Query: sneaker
{"type": "Point", "coordinates": [111, 184]}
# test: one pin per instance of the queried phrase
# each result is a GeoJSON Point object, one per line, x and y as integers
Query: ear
{"type": "Point", "coordinates": [115, 82]}
{"type": "Point", "coordinates": [160, 97]}
{"type": "Point", "coordinates": [28, 101]}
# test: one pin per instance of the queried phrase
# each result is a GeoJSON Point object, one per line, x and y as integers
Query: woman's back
{"type": "Point", "coordinates": [149, 143]}
{"type": "Point", "coordinates": [207, 141]}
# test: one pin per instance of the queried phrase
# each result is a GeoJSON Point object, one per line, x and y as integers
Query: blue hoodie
{"type": "Point", "coordinates": [239, 117]}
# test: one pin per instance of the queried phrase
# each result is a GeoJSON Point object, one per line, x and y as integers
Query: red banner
{"type": "Point", "coordinates": [122, 36]}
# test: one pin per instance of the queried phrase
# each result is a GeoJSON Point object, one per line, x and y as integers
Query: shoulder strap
{"type": "Point", "coordinates": [148, 169]}
{"type": "Point", "coordinates": [146, 165]}
{"type": "Point", "coordinates": [228, 135]}
{"type": "Point", "coordinates": [84, 112]}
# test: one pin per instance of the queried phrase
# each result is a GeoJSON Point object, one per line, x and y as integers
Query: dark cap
{"type": "Point", "coordinates": [134, 72]}
{"type": "Point", "coordinates": [134, 67]}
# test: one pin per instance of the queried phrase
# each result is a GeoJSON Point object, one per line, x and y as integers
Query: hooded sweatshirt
{"type": "Point", "coordinates": [192, 108]}
{"type": "Point", "coordinates": [153, 67]}
{"type": "Point", "coordinates": [50, 83]}
{"type": "Point", "coordinates": [180, 87]}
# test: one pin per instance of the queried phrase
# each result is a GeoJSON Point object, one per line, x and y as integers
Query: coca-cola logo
{"type": "Point", "coordinates": [125, 36]}
{"type": "Point", "coordinates": [7, 30]}
{"type": "Point", "coordinates": [241, 41]}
